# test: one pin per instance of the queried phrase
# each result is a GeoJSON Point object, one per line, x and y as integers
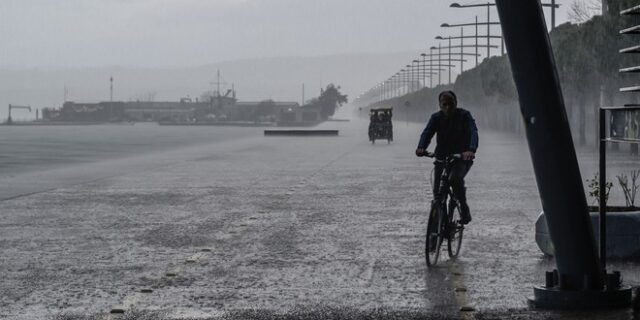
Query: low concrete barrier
{"type": "Point", "coordinates": [219, 124]}
{"type": "Point", "coordinates": [623, 234]}
{"type": "Point", "coordinates": [305, 133]}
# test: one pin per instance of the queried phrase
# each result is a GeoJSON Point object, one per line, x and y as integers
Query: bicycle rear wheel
{"type": "Point", "coordinates": [434, 236]}
{"type": "Point", "coordinates": [455, 230]}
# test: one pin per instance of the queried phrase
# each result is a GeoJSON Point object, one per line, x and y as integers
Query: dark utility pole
{"type": "Point", "coordinates": [579, 281]}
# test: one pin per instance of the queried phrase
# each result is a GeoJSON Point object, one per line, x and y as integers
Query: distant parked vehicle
{"type": "Point", "coordinates": [380, 126]}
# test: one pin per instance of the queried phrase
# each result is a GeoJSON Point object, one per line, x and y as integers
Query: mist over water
{"type": "Point", "coordinates": [38, 148]}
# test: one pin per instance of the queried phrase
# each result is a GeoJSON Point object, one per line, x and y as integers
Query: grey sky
{"type": "Point", "coordinates": [73, 33]}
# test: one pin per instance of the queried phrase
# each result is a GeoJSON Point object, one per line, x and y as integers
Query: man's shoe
{"type": "Point", "coordinates": [465, 215]}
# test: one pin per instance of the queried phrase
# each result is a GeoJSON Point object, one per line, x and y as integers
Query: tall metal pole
{"type": "Point", "coordinates": [602, 184]}
{"type": "Point", "coordinates": [392, 87]}
{"type": "Point", "coordinates": [409, 71]}
{"type": "Point", "coordinates": [461, 50]}
{"type": "Point", "coordinates": [553, 14]}
{"type": "Point", "coordinates": [552, 151]}
{"type": "Point", "coordinates": [410, 77]}
{"type": "Point", "coordinates": [384, 90]}
{"type": "Point", "coordinates": [449, 50]}
{"type": "Point", "coordinates": [416, 75]}
{"type": "Point", "coordinates": [387, 89]}
{"type": "Point", "coordinates": [424, 71]}
{"type": "Point", "coordinates": [417, 80]}
{"type": "Point", "coordinates": [404, 82]}
{"type": "Point", "coordinates": [416, 83]}
{"type": "Point", "coordinates": [431, 66]}
{"type": "Point", "coordinates": [395, 86]}
{"type": "Point", "coordinates": [476, 41]}
{"type": "Point", "coordinates": [488, 29]}
{"type": "Point", "coordinates": [439, 63]}
{"type": "Point", "coordinates": [413, 76]}
{"type": "Point", "coordinates": [111, 89]}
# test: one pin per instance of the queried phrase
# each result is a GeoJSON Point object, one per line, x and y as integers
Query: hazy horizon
{"type": "Point", "coordinates": [259, 79]}
{"type": "Point", "coordinates": [165, 50]}
{"type": "Point", "coordinates": [161, 33]}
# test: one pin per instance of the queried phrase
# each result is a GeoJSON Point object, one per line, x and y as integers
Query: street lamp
{"type": "Point", "coordinates": [413, 80]}
{"type": "Point", "coordinates": [409, 78]}
{"type": "Point", "coordinates": [405, 79]}
{"type": "Point", "coordinates": [449, 52]}
{"type": "Point", "coordinates": [553, 6]}
{"type": "Point", "coordinates": [413, 73]}
{"type": "Point", "coordinates": [488, 23]}
{"type": "Point", "coordinates": [431, 67]}
{"type": "Point", "coordinates": [476, 46]}
{"type": "Point", "coordinates": [439, 62]}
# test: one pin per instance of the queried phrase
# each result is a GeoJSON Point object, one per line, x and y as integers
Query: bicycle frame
{"type": "Point", "coordinates": [444, 189]}
{"type": "Point", "coordinates": [445, 227]}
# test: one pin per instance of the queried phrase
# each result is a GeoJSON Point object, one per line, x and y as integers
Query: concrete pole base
{"type": "Point", "coordinates": [554, 296]}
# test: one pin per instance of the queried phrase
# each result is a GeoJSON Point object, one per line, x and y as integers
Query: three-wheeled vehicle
{"type": "Point", "coordinates": [380, 127]}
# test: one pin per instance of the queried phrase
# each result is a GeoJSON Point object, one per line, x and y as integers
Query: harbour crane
{"type": "Point", "coordinates": [9, 120]}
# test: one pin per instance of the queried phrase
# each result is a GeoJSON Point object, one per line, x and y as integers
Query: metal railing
{"type": "Point", "coordinates": [624, 127]}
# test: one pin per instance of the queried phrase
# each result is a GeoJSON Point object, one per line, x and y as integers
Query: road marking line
{"type": "Point", "coordinates": [460, 293]}
{"type": "Point", "coordinates": [128, 301]}
{"type": "Point", "coordinates": [195, 257]}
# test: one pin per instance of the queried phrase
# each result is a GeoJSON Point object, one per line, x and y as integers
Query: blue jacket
{"type": "Point", "coordinates": [455, 134]}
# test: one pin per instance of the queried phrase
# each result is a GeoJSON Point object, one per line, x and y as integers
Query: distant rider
{"type": "Point", "coordinates": [456, 134]}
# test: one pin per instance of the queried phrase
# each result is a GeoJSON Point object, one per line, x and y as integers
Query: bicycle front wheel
{"type": "Point", "coordinates": [434, 236]}
{"type": "Point", "coordinates": [456, 229]}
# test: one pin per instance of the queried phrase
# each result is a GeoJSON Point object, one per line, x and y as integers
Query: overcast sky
{"type": "Point", "coordinates": [76, 33]}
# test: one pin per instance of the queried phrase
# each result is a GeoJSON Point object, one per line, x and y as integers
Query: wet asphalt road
{"type": "Point", "coordinates": [281, 225]}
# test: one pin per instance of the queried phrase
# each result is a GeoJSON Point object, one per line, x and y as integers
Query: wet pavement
{"type": "Point", "coordinates": [274, 227]}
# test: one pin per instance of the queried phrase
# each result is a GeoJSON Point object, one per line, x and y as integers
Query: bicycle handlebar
{"type": "Point", "coordinates": [433, 155]}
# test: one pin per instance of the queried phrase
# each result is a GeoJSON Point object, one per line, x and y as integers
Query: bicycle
{"type": "Point", "coordinates": [444, 218]}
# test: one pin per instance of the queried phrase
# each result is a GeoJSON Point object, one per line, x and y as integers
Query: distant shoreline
{"type": "Point", "coordinates": [59, 123]}
{"type": "Point", "coordinates": [169, 123]}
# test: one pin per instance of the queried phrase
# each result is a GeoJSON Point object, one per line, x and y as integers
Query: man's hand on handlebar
{"type": "Point", "coordinates": [424, 153]}
{"type": "Point", "coordinates": [468, 155]}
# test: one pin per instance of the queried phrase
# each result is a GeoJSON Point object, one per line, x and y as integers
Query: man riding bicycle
{"type": "Point", "coordinates": [456, 134]}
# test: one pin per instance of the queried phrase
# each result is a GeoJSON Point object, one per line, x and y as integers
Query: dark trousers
{"type": "Point", "coordinates": [459, 170]}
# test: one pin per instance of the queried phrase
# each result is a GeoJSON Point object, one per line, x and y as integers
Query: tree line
{"type": "Point", "coordinates": [587, 62]}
